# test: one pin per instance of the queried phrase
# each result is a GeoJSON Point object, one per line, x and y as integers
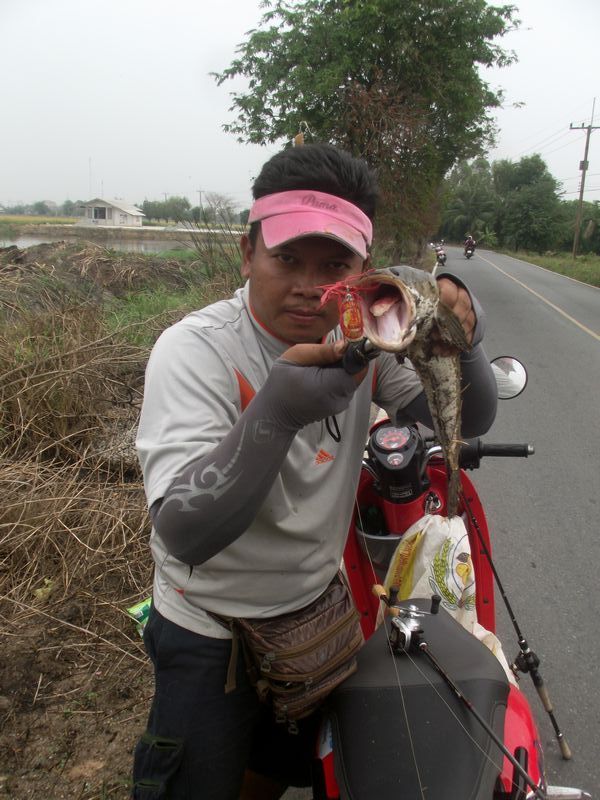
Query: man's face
{"type": "Point", "coordinates": [284, 281]}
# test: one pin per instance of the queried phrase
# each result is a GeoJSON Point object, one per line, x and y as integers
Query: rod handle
{"type": "Point", "coordinates": [379, 592]}
{"type": "Point", "coordinates": [565, 750]}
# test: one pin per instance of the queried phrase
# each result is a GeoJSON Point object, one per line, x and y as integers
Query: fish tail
{"type": "Point", "coordinates": [453, 489]}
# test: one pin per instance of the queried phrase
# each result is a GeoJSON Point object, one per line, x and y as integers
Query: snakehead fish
{"type": "Point", "coordinates": [400, 308]}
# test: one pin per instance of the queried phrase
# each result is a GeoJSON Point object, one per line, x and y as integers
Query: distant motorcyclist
{"type": "Point", "coordinates": [469, 243]}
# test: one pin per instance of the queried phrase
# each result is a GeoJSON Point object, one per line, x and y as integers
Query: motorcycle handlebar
{"type": "Point", "coordinates": [510, 450]}
{"type": "Point", "coordinates": [473, 450]}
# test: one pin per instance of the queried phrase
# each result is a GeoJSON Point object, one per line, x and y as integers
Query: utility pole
{"type": "Point", "coordinates": [199, 198]}
{"type": "Point", "coordinates": [583, 166]}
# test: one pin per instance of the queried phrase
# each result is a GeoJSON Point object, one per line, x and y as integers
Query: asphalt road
{"type": "Point", "coordinates": [543, 511]}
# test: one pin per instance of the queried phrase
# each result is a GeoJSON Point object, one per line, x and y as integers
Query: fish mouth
{"type": "Point", "coordinates": [388, 310]}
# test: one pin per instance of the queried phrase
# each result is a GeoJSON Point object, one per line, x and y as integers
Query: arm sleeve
{"type": "Point", "coordinates": [215, 497]}
{"type": "Point", "coordinates": [479, 398]}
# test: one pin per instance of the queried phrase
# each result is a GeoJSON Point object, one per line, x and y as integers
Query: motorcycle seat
{"type": "Point", "coordinates": [402, 742]}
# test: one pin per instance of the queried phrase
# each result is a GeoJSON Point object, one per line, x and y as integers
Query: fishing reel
{"type": "Point", "coordinates": [406, 632]}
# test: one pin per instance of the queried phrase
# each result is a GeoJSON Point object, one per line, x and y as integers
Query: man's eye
{"type": "Point", "coordinates": [338, 266]}
{"type": "Point", "coordinates": [285, 258]}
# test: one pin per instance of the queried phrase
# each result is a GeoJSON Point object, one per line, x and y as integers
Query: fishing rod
{"type": "Point", "coordinates": [407, 634]}
{"type": "Point", "coordinates": [526, 661]}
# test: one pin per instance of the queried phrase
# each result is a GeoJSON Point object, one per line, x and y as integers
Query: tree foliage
{"type": "Point", "coordinates": [470, 202]}
{"type": "Point", "coordinates": [516, 205]}
{"type": "Point", "coordinates": [216, 209]}
{"type": "Point", "coordinates": [528, 216]}
{"type": "Point", "coordinates": [173, 208]}
{"type": "Point", "coordinates": [397, 83]}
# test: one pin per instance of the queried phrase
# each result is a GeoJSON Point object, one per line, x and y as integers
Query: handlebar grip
{"type": "Point", "coordinates": [473, 450]}
{"type": "Point", "coordinates": [506, 450]}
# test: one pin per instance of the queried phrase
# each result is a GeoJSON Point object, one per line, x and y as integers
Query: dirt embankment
{"type": "Point", "coordinates": [75, 683]}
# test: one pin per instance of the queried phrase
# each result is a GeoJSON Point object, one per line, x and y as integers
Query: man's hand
{"type": "Point", "coordinates": [456, 299]}
{"type": "Point", "coordinates": [320, 355]}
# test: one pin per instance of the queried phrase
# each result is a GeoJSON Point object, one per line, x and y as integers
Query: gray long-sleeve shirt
{"type": "Point", "coordinates": [260, 533]}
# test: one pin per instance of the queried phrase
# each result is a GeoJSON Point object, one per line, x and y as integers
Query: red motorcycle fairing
{"type": "Point", "coordinates": [399, 517]}
{"type": "Point", "coordinates": [521, 733]}
{"type": "Point", "coordinates": [397, 727]}
{"type": "Point", "coordinates": [518, 729]}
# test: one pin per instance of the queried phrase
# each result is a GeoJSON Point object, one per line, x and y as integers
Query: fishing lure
{"type": "Point", "coordinates": [351, 318]}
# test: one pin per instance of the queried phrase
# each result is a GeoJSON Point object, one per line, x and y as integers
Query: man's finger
{"type": "Point", "coordinates": [315, 355]}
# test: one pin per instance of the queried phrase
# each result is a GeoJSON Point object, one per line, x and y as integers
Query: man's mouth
{"type": "Point", "coordinates": [309, 313]}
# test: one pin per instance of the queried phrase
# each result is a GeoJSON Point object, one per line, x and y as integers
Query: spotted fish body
{"type": "Point", "coordinates": [401, 308]}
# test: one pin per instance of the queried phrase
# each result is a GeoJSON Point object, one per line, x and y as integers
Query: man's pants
{"type": "Point", "coordinates": [200, 740]}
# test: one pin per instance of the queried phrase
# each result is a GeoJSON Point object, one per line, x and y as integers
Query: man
{"type": "Point", "coordinates": [469, 243]}
{"type": "Point", "coordinates": [250, 494]}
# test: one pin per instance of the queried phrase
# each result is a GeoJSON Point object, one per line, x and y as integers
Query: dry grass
{"type": "Point", "coordinates": [74, 526]}
{"type": "Point", "coordinates": [73, 522]}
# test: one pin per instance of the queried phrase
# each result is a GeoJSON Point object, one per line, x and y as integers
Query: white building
{"type": "Point", "coordinates": [111, 213]}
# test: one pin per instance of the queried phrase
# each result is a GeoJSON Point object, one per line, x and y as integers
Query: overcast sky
{"type": "Point", "coordinates": [114, 98]}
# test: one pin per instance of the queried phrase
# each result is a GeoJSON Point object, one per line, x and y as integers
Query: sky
{"type": "Point", "coordinates": [115, 99]}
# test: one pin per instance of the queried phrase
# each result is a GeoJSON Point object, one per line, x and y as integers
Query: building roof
{"type": "Point", "coordinates": [121, 205]}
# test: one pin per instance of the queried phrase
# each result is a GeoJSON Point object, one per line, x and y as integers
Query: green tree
{"type": "Point", "coordinates": [529, 213]}
{"type": "Point", "coordinates": [40, 208]}
{"type": "Point", "coordinates": [177, 208]}
{"type": "Point", "coordinates": [69, 209]}
{"type": "Point", "coordinates": [470, 203]}
{"type": "Point", "coordinates": [590, 227]}
{"type": "Point", "coordinates": [396, 83]}
{"type": "Point", "coordinates": [152, 209]}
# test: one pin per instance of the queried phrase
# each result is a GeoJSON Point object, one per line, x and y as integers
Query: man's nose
{"type": "Point", "coordinates": [308, 281]}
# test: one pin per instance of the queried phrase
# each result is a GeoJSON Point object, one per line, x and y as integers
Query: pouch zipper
{"type": "Point", "coordinates": [285, 708]}
{"type": "Point", "coordinates": [272, 656]}
{"type": "Point", "coordinates": [314, 676]}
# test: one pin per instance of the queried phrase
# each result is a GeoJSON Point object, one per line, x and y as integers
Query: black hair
{"type": "Point", "coordinates": [322, 168]}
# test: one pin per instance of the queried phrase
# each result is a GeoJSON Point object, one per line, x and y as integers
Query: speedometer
{"type": "Point", "coordinates": [391, 438]}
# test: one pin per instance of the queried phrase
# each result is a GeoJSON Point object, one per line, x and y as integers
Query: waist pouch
{"type": "Point", "coordinates": [295, 660]}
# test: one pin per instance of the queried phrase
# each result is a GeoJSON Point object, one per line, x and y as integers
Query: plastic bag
{"type": "Point", "coordinates": [434, 557]}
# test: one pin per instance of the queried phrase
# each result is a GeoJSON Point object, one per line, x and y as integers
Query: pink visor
{"type": "Point", "coordinates": [291, 215]}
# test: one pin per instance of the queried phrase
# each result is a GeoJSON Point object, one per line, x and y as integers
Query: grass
{"type": "Point", "coordinates": [584, 268]}
{"type": "Point", "coordinates": [8, 231]}
{"type": "Point", "coordinates": [32, 219]}
{"type": "Point", "coordinates": [184, 254]}
{"type": "Point", "coordinates": [140, 316]}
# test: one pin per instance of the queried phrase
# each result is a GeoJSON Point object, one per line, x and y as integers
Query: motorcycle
{"type": "Point", "coordinates": [440, 254]}
{"type": "Point", "coordinates": [430, 711]}
{"type": "Point", "coordinates": [469, 251]}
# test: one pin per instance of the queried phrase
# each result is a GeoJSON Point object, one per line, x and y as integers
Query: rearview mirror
{"type": "Point", "coordinates": [511, 376]}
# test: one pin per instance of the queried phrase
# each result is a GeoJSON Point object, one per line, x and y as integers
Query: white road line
{"type": "Point", "coordinates": [592, 333]}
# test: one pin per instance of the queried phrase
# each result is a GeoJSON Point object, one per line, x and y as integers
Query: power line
{"type": "Point", "coordinates": [568, 112]}
{"type": "Point", "coordinates": [589, 188]}
{"type": "Point", "coordinates": [562, 147]}
{"type": "Point", "coordinates": [556, 136]}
